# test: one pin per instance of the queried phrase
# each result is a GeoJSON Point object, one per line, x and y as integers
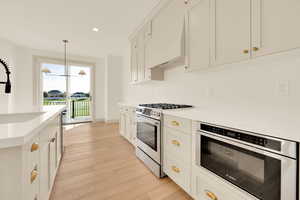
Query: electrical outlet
{"type": "Point", "coordinates": [284, 88]}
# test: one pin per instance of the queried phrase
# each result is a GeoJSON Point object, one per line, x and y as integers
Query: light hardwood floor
{"type": "Point", "coordinates": [98, 164]}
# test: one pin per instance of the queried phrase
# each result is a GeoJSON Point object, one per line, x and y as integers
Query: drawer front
{"type": "Point", "coordinates": [210, 188]}
{"type": "Point", "coordinates": [32, 183]}
{"type": "Point", "coordinates": [180, 124]}
{"type": "Point", "coordinates": [179, 172]}
{"type": "Point", "coordinates": [32, 151]}
{"type": "Point", "coordinates": [178, 144]}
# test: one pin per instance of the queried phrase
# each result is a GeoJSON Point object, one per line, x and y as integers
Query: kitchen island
{"type": "Point", "coordinates": [31, 149]}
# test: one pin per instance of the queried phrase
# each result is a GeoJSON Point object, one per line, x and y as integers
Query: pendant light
{"type": "Point", "coordinates": [49, 73]}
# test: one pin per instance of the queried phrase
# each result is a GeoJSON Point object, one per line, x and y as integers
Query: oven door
{"type": "Point", "coordinates": [148, 136]}
{"type": "Point", "coordinates": [265, 175]}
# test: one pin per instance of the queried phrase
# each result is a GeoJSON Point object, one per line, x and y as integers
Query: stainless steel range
{"type": "Point", "coordinates": [149, 134]}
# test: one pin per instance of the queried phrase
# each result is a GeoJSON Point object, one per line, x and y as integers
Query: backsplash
{"type": "Point", "coordinates": [269, 83]}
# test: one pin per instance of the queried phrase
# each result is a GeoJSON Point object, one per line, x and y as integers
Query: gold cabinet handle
{"type": "Point", "coordinates": [211, 195]}
{"type": "Point", "coordinates": [186, 1]}
{"type": "Point", "coordinates": [175, 169]}
{"type": "Point", "coordinates": [246, 51]}
{"type": "Point", "coordinates": [255, 49]}
{"type": "Point", "coordinates": [34, 147]}
{"type": "Point", "coordinates": [175, 142]}
{"type": "Point", "coordinates": [175, 123]}
{"type": "Point", "coordinates": [34, 174]}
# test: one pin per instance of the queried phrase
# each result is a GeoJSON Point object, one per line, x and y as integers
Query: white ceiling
{"type": "Point", "coordinates": [43, 24]}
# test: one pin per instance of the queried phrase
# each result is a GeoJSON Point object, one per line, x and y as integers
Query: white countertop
{"type": "Point", "coordinates": [18, 133]}
{"type": "Point", "coordinates": [284, 125]}
{"type": "Point", "coordinates": [280, 124]}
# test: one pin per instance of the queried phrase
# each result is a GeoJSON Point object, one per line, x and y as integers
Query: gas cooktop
{"type": "Point", "coordinates": [165, 106]}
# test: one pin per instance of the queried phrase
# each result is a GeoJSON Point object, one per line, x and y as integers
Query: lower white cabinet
{"type": "Point", "coordinates": [127, 123]}
{"type": "Point", "coordinates": [208, 187]}
{"type": "Point", "coordinates": [177, 137]}
{"type": "Point", "coordinates": [27, 172]}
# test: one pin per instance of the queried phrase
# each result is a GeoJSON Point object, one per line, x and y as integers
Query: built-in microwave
{"type": "Point", "coordinates": [265, 167]}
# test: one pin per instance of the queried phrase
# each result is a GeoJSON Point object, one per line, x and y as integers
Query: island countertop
{"type": "Point", "coordinates": [18, 132]}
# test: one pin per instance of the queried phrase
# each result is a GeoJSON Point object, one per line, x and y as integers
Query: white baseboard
{"type": "Point", "coordinates": [107, 121]}
{"type": "Point", "coordinates": [112, 121]}
{"type": "Point", "coordinates": [99, 120]}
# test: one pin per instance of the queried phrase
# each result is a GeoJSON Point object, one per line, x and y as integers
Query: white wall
{"type": "Point", "coordinates": [255, 85]}
{"type": "Point", "coordinates": [113, 86]}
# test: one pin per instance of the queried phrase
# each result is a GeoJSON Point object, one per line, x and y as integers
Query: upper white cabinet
{"type": "Point", "coordinates": [275, 26]}
{"type": "Point", "coordinates": [134, 60]}
{"type": "Point", "coordinates": [167, 31]}
{"type": "Point", "coordinates": [231, 28]}
{"type": "Point", "coordinates": [141, 55]}
{"type": "Point", "coordinates": [197, 35]}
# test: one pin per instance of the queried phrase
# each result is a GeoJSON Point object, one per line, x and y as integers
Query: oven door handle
{"type": "Point", "coordinates": [244, 146]}
{"type": "Point", "coordinates": [140, 118]}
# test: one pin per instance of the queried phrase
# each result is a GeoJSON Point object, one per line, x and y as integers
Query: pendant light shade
{"type": "Point", "coordinates": [46, 71]}
{"type": "Point", "coordinates": [82, 73]}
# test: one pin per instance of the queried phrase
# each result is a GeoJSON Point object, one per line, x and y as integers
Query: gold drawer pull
{"type": "Point", "coordinates": [246, 51]}
{"type": "Point", "coordinates": [211, 195]}
{"type": "Point", "coordinates": [255, 49]}
{"type": "Point", "coordinates": [175, 169]}
{"type": "Point", "coordinates": [175, 123]}
{"type": "Point", "coordinates": [175, 142]}
{"type": "Point", "coordinates": [34, 175]}
{"type": "Point", "coordinates": [34, 147]}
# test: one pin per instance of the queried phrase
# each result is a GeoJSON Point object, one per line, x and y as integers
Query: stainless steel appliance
{"type": "Point", "coordinates": [149, 134]}
{"type": "Point", "coordinates": [263, 166]}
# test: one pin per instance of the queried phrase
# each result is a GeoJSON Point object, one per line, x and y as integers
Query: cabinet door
{"type": "Point", "coordinates": [208, 187]}
{"type": "Point", "coordinates": [53, 158]}
{"type": "Point", "coordinates": [58, 147]}
{"type": "Point", "coordinates": [133, 127]}
{"type": "Point", "coordinates": [231, 26]}
{"type": "Point", "coordinates": [141, 55]}
{"type": "Point", "coordinates": [275, 26]}
{"type": "Point", "coordinates": [122, 124]}
{"type": "Point", "coordinates": [44, 175]}
{"type": "Point", "coordinates": [134, 61]}
{"type": "Point", "coordinates": [167, 31]}
{"type": "Point", "coordinates": [128, 133]}
{"type": "Point", "coordinates": [197, 34]}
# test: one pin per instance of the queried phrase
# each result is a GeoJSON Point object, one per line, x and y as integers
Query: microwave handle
{"type": "Point", "coordinates": [243, 146]}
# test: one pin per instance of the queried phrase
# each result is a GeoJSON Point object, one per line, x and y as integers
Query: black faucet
{"type": "Point", "coordinates": [7, 83]}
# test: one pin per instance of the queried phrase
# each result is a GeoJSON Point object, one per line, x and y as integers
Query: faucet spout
{"type": "Point", "coordinates": [7, 83]}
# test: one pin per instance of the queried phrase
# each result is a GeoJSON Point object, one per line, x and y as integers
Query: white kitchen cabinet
{"type": "Point", "coordinates": [209, 187]}
{"type": "Point", "coordinates": [167, 31]}
{"type": "Point", "coordinates": [177, 135]}
{"type": "Point", "coordinates": [53, 156]}
{"type": "Point", "coordinates": [134, 61]}
{"type": "Point", "coordinates": [122, 123]}
{"type": "Point", "coordinates": [141, 55]}
{"type": "Point", "coordinates": [44, 167]}
{"type": "Point", "coordinates": [127, 124]}
{"type": "Point", "coordinates": [275, 26]}
{"type": "Point", "coordinates": [197, 35]}
{"type": "Point", "coordinates": [25, 170]}
{"type": "Point", "coordinates": [231, 31]}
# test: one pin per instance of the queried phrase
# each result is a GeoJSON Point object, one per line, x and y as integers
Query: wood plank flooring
{"type": "Point", "coordinates": [99, 164]}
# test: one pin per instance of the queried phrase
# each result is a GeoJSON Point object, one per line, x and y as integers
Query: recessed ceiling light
{"type": "Point", "coordinates": [95, 29]}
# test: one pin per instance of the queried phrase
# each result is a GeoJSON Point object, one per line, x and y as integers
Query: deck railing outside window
{"type": "Point", "coordinates": [79, 107]}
